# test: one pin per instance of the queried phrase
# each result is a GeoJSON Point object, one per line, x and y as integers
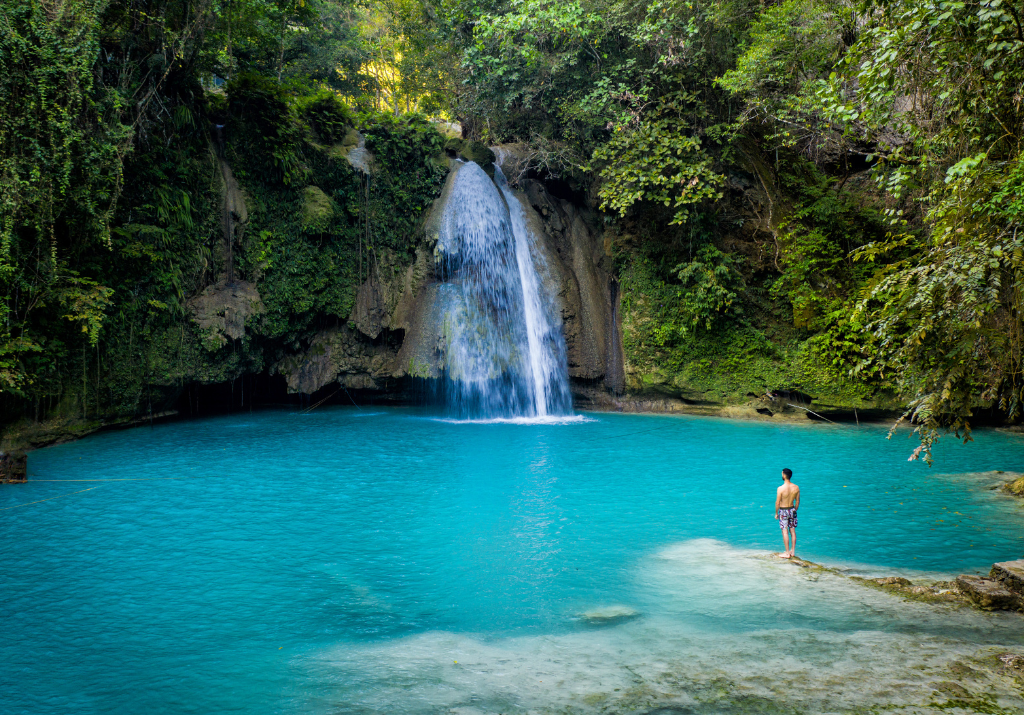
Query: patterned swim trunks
{"type": "Point", "coordinates": [787, 518]}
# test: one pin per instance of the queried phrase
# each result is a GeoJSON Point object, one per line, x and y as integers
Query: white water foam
{"type": "Point", "coordinates": [821, 644]}
{"type": "Point", "coordinates": [545, 420]}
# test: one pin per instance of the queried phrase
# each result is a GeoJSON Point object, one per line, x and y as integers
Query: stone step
{"type": "Point", "coordinates": [1011, 574]}
{"type": "Point", "coordinates": [987, 593]}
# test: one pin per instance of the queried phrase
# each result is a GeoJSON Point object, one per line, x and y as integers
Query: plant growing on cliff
{"type": "Point", "coordinates": [937, 85]}
{"type": "Point", "coordinates": [709, 292]}
{"type": "Point", "coordinates": [658, 160]}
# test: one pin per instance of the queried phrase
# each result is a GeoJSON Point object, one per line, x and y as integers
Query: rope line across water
{"type": "Point", "coordinates": [126, 479]}
{"type": "Point", "coordinates": [49, 499]}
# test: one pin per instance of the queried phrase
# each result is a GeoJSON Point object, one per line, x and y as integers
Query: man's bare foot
{"type": "Point", "coordinates": [784, 556]}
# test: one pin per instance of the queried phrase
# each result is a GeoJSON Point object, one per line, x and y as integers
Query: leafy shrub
{"type": "Point", "coordinates": [262, 116]}
{"type": "Point", "coordinates": [329, 117]}
{"type": "Point", "coordinates": [709, 291]}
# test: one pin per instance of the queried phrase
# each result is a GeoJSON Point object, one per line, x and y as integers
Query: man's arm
{"type": "Point", "coordinates": [778, 498]}
{"type": "Point", "coordinates": [796, 502]}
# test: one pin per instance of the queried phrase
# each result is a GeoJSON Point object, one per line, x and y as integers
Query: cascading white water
{"type": "Point", "coordinates": [504, 349]}
{"type": "Point", "coordinates": [546, 345]}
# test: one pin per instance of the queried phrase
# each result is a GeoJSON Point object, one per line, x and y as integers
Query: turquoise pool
{"type": "Point", "coordinates": [386, 561]}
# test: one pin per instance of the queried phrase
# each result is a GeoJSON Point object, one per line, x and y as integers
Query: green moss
{"type": "Point", "coordinates": [478, 152]}
{"type": "Point", "coordinates": [351, 138]}
{"type": "Point", "coordinates": [665, 352]}
{"type": "Point", "coordinates": [315, 210]}
{"type": "Point", "coordinates": [1016, 487]}
{"type": "Point", "coordinates": [453, 144]}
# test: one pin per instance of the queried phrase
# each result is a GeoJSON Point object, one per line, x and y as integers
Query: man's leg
{"type": "Point", "coordinates": [792, 530]}
{"type": "Point", "coordinates": [785, 540]}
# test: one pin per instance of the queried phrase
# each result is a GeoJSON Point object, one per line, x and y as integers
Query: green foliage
{"type": "Point", "coordinates": [863, 158]}
{"type": "Point", "coordinates": [313, 246]}
{"type": "Point", "coordinates": [657, 161]}
{"type": "Point", "coordinates": [697, 296]}
{"type": "Point", "coordinates": [724, 363]}
{"type": "Point", "coordinates": [815, 245]}
{"type": "Point", "coordinates": [586, 74]}
{"type": "Point", "coordinates": [787, 51]}
{"type": "Point", "coordinates": [263, 117]}
{"type": "Point", "coordinates": [944, 306]}
{"type": "Point", "coordinates": [109, 189]}
{"type": "Point", "coordinates": [328, 116]}
{"type": "Point", "coordinates": [709, 290]}
{"type": "Point", "coordinates": [61, 147]}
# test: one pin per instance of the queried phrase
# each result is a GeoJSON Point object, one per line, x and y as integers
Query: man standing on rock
{"type": "Point", "coordinates": [787, 499]}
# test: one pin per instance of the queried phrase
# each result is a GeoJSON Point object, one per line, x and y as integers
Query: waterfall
{"type": "Point", "coordinates": [504, 353]}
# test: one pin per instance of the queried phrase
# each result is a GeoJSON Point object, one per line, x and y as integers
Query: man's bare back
{"type": "Point", "coordinates": [787, 499]}
{"type": "Point", "coordinates": [787, 495]}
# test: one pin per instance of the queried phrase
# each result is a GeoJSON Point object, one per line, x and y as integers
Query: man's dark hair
{"type": "Point", "coordinates": [788, 473]}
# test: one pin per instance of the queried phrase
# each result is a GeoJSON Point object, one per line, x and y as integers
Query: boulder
{"type": "Point", "coordinates": [986, 593]}
{"type": "Point", "coordinates": [315, 210]}
{"type": "Point", "coordinates": [1015, 487]}
{"type": "Point", "coordinates": [1010, 574]}
{"type": "Point", "coordinates": [477, 152]}
{"type": "Point", "coordinates": [338, 355]}
{"type": "Point", "coordinates": [13, 466]}
{"type": "Point", "coordinates": [355, 153]}
{"type": "Point", "coordinates": [222, 310]}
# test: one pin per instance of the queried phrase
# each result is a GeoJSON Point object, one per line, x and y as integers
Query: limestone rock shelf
{"type": "Point", "coordinates": [987, 593]}
{"type": "Point", "coordinates": [1011, 574]}
{"type": "Point", "coordinates": [1001, 590]}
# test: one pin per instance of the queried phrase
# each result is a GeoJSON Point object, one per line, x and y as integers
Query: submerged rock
{"type": "Point", "coordinates": [608, 614]}
{"type": "Point", "coordinates": [953, 690]}
{"type": "Point", "coordinates": [987, 593]}
{"type": "Point", "coordinates": [893, 581]}
{"type": "Point", "coordinates": [962, 670]}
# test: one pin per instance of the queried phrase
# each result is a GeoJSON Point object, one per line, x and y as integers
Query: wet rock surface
{"type": "Point", "coordinates": [582, 266]}
{"type": "Point", "coordinates": [13, 466]}
{"type": "Point", "coordinates": [987, 593]}
{"type": "Point", "coordinates": [1010, 574]}
{"type": "Point", "coordinates": [338, 355]}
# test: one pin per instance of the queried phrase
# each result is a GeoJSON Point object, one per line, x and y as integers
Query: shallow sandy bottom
{"type": "Point", "coordinates": [690, 651]}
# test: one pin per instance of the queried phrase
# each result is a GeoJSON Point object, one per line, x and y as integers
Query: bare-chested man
{"type": "Point", "coordinates": [787, 499]}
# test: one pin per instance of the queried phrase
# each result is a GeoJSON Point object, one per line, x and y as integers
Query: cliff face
{"type": "Point", "coordinates": [608, 311]}
{"type": "Point", "coordinates": [395, 330]}
{"type": "Point", "coordinates": [312, 291]}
